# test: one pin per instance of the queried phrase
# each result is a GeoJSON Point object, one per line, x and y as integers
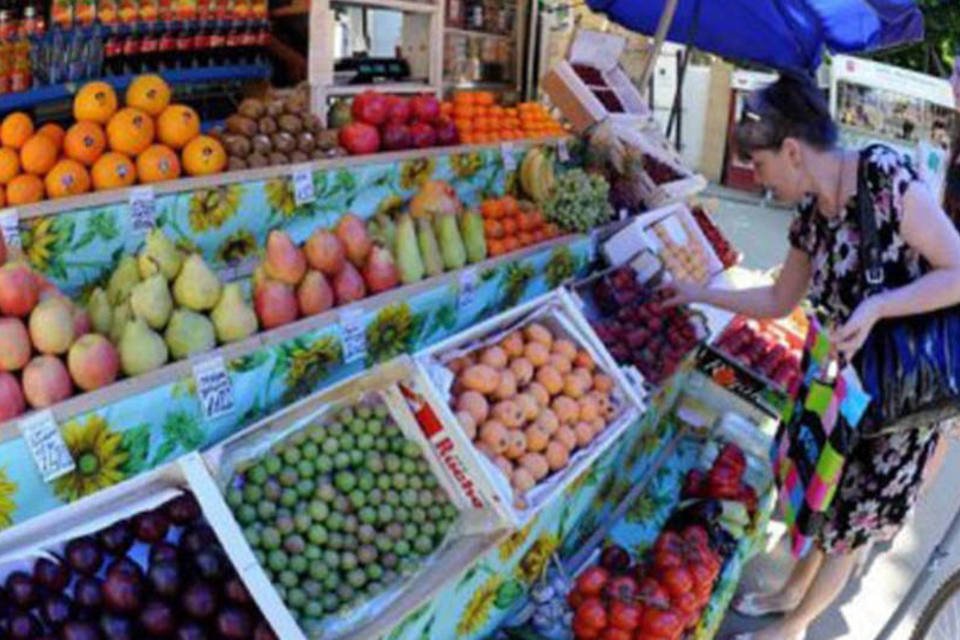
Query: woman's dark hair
{"type": "Point", "coordinates": [791, 107]}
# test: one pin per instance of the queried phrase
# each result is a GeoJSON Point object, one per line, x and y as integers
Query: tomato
{"type": "Point", "coordinates": [732, 456]}
{"type": "Point", "coordinates": [621, 588]}
{"type": "Point", "coordinates": [686, 603]}
{"type": "Point", "coordinates": [697, 536]}
{"type": "Point", "coordinates": [574, 599]}
{"type": "Point", "coordinates": [398, 110]}
{"type": "Point", "coordinates": [662, 622]}
{"type": "Point", "coordinates": [667, 559]}
{"type": "Point", "coordinates": [676, 581]}
{"type": "Point", "coordinates": [669, 541]}
{"type": "Point", "coordinates": [425, 108]}
{"type": "Point", "coordinates": [625, 615]}
{"type": "Point", "coordinates": [651, 594]}
{"type": "Point", "coordinates": [584, 632]}
{"type": "Point", "coordinates": [694, 484]}
{"type": "Point", "coordinates": [592, 581]}
{"type": "Point", "coordinates": [591, 613]}
{"type": "Point", "coordinates": [612, 633]}
{"type": "Point", "coordinates": [701, 573]}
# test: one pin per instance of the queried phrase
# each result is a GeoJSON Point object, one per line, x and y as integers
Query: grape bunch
{"type": "Point", "coordinates": [579, 202]}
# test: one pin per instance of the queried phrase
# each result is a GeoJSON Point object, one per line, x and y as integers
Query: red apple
{"type": "Point", "coordinates": [359, 138]}
{"type": "Point", "coordinates": [396, 136]}
{"type": "Point", "coordinates": [370, 107]}
{"type": "Point", "coordinates": [398, 110]}
{"type": "Point", "coordinates": [422, 135]}
{"type": "Point", "coordinates": [425, 108]}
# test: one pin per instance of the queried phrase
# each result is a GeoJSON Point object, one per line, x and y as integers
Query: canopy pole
{"type": "Point", "coordinates": [669, 9]}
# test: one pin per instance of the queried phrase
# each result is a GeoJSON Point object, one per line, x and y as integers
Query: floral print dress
{"type": "Point", "coordinates": [883, 475]}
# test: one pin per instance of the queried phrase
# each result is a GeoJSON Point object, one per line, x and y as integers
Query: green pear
{"type": "Point", "coordinates": [471, 228]}
{"type": "Point", "coordinates": [159, 255]}
{"type": "Point", "coordinates": [101, 313]}
{"type": "Point", "coordinates": [429, 249]}
{"type": "Point", "coordinates": [189, 333]}
{"type": "Point", "coordinates": [151, 301]}
{"type": "Point", "coordinates": [122, 281]}
{"type": "Point", "coordinates": [141, 348]}
{"type": "Point", "coordinates": [409, 260]}
{"type": "Point", "coordinates": [233, 318]}
{"type": "Point", "coordinates": [197, 287]}
{"type": "Point", "coordinates": [451, 244]}
{"type": "Point", "coordinates": [122, 314]}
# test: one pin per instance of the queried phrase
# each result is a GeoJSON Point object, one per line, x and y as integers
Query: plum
{"type": "Point", "coordinates": [117, 538]}
{"type": "Point", "coordinates": [263, 632]}
{"type": "Point", "coordinates": [125, 566]}
{"type": "Point", "coordinates": [158, 618]}
{"type": "Point", "coordinates": [197, 538]}
{"type": "Point", "coordinates": [210, 564]}
{"type": "Point", "coordinates": [50, 574]}
{"type": "Point", "coordinates": [183, 510]}
{"type": "Point", "coordinates": [22, 590]}
{"type": "Point", "coordinates": [116, 627]}
{"type": "Point", "coordinates": [88, 593]}
{"type": "Point", "coordinates": [233, 623]}
{"type": "Point", "coordinates": [164, 578]}
{"type": "Point", "coordinates": [615, 559]}
{"type": "Point", "coordinates": [123, 592]}
{"type": "Point", "coordinates": [80, 631]}
{"type": "Point", "coordinates": [151, 527]}
{"type": "Point", "coordinates": [164, 552]}
{"type": "Point", "coordinates": [84, 555]}
{"type": "Point", "coordinates": [190, 631]}
{"type": "Point", "coordinates": [236, 592]}
{"type": "Point", "coordinates": [199, 600]}
{"type": "Point", "coordinates": [56, 609]}
{"type": "Point", "coordinates": [24, 626]}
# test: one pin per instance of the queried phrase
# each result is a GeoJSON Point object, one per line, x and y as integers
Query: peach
{"type": "Point", "coordinates": [46, 382]}
{"type": "Point", "coordinates": [82, 324]}
{"type": "Point", "coordinates": [51, 326]}
{"type": "Point", "coordinates": [15, 346]}
{"type": "Point", "coordinates": [18, 290]}
{"type": "Point", "coordinates": [93, 362]}
{"type": "Point", "coordinates": [11, 397]}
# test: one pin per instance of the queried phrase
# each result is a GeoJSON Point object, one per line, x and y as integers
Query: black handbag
{"type": "Point", "coordinates": [910, 366]}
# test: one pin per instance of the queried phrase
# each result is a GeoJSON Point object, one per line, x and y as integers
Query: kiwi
{"type": "Point", "coordinates": [283, 142]}
{"type": "Point", "coordinates": [291, 124]}
{"type": "Point", "coordinates": [236, 164]}
{"type": "Point", "coordinates": [318, 154]}
{"type": "Point", "coordinates": [327, 140]}
{"type": "Point", "coordinates": [277, 158]}
{"type": "Point", "coordinates": [252, 108]}
{"type": "Point", "coordinates": [312, 123]}
{"type": "Point", "coordinates": [237, 145]}
{"type": "Point", "coordinates": [241, 125]}
{"type": "Point", "coordinates": [268, 125]}
{"type": "Point", "coordinates": [306, 142]}
{"type": "Point", "coordinates": [262, 144]}
{"type": "Point", "coordinates": [296, 104]}
{"type": "Point", "coordinates": [298, 156]}
{"type": "Point", "coordinates": [275, 108]}
{"type": "Point", "coordinates": [257, 161]}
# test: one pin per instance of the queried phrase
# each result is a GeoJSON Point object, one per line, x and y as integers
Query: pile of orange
{"type": "Point", "coordinates": [479, 119]}
{"type": "Point", "coordinates": [108, 147]}
{"type": "Point", "coordinates": [509, 225]}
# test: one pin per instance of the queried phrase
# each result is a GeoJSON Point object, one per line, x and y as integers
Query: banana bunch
{"type": "Point", "coordinates": [536, 175]}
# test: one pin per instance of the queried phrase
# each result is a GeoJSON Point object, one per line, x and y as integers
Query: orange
{"type": "Point", "coordinates": [509, 204]}
{"type": "Point", "coordinates": [484, 98]}
{"type": "Point", "coordinates": [9, 164]}
{"type": "Point", "coordinates": [204, 156]}
{"type": "Point", "coordinates": [67, 178]}
{"type": "Point", "coordinates": [3, 197]}
{"type": "Point", "coordinates": [511, 244]}
{"type": "Point", "coordinates": [53, 131]}
{"type": "Point", "coordinates": [492, 229]}
{"type": "Point", "coordinates": [85, 142]}
{"type": "Point", "coordinates": [96, 101]}
{"type": "Point", "coordinates": [16, 129]}
{"type": "Point", "coordinates": [177, 126]}
{"type": "Point", "coordinates": [491, 209]}
{"type": "Point", "coordinates": [130, 131]}
{"type": "Point", "coordinates": [465, 112]}
{"type": "Point", "coordinates": [113, 171]}
{"type": "Point", "coordinates": [158, 163]}
{"type": "Point", "coordinates": [38, 155]}
{"type": "Point", "coordinates": [463, 125]}
{"type": "Point", "coordinates": [149, 93]}
{"type": "Point", "coordinates": [496, 247]}
{"type": "Point", "coordinates": [24, 189]}
{"type": "Point", "coordinates": [463, 97]}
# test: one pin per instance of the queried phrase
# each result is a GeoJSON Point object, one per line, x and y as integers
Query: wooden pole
{"type": "Point", "coordinates": [669, 9]}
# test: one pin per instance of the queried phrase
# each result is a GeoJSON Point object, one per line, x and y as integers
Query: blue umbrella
{"type": "Point", "coordinates": [783, 34]}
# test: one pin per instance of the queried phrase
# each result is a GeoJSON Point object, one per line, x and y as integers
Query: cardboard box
{"type": "Point", "coordinates": [448, 438]}
{"type": "Point", "coordinates": [477, 530]}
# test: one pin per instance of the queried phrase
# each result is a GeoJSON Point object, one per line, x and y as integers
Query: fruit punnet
{"type": "Point", "coordinates": [162, 571]}
{"type": "Point", "coordinates": [341, 510]}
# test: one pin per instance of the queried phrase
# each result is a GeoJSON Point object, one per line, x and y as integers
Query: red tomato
{"type": "Point", "coordinates": [662, 622]}
{"type": "Point", "coordinates": [652, 594]}
{"type": "Point", "coordinates": [584, 632]}
{"type": "Point", "coordinates": [669, 540]}
{"type": "Point", "coordinates": [592, 581]}
{"type": "Point", "coordinates": [696, 535]}
{"type": "Point", "coordinates": [686, 603]}
{"type": "Point", "coordinates": [676, 581]}
{"type": "Point", "coordinates": [612, 633]}
{"type": "Point", "coordinates": [625, 615]}
{"type": "Point", "coordinates": [574, 599]}
{"type": "Point", "coordinates": [667, 559]}
{"type": "Point", "coordinates": [621, 588]}
{"type": "Point", "coordinates": [591, 613]}
{"type": "Point", "coordinates": [701, 573]}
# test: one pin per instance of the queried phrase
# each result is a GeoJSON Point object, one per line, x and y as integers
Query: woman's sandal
{"type": "Point", "coordinates": [746, 605]}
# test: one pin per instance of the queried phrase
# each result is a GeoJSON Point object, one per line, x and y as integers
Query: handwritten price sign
{"type": "Point", "coordinates": [46, 445]}
{"type": "Point", "coordinates": [214, 388]}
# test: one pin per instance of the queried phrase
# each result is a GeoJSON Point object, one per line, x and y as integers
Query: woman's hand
{"type": "Point", "coordinates": [681, 292]}
{"type": "Point", "coordinates": [850, 337]}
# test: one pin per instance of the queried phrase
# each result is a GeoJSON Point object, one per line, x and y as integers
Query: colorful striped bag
{"type": "Point", "coordinates": [818, 431]}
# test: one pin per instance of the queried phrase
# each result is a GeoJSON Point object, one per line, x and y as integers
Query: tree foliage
{"type": "Point", "coordinates": [935, 54]}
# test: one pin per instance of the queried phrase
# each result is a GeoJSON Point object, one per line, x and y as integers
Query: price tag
{"type": "Point", "coordinates": [509, 161]}
{"type": "Point", "coordinates": [469, 283]}
{"type": "Point", "coordinates": [563, 153]}
{"type": "Point", "coordinates": [10, 227]}
{"type": "Point", "coordinates": [214, 388]}
{"type": "Point", "coordinates": [303, 192]}
{"type": "Point", "coordinates": [46, 445]}
{"type": "Point", "coordinates": [354, 334]}
{"type": "Point", "coordinates": [143, 209]}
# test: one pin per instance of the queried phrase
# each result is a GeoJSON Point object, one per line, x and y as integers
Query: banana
{"type": "Point", "coordinates": [536, 175]}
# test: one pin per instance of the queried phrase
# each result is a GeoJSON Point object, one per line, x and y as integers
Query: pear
{"type": "Point", "coordinates": [122, 281]}
{"type": "Point", "coordinates": [451, 244]}
{"type": "Point", "coordinates": [159, 255]}
{"type": "Point", "coordinates": [284, 260]}
{"type": "Point", "coordinates": [101, 313]}
{"type": "Point", "coordinates": [122, 314]}
{"type": "Point", "coordinates": [189, 333]}
{"type": "Point", "coordinates": [429, 249]}
{"type": "Point", "coordinates": [233, 319]}
{"type": "Point", "coordinates": [151, 301]}
{"type": "Point", "coordinates": [408, 253]}
{"type": "Point", "coordinates": [471, 228]}
{"type": "Point", "coordinates": [141, 349]}
{"type": "Point", "coordinates": [197, 287]}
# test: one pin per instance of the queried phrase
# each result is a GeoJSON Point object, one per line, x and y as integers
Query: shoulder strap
{"type": "Point", "coordinates": [869, 242]}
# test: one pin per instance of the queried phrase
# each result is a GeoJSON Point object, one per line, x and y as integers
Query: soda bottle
{"type": "Point", "coordinates": [32, 24]}
{"type": "Point", "coordinates": [84, 12]}
{"type": "Point", "coordinates": [184, 45]}
{"type": "Point", "coordinates": [217, 44]}
{"type": "Point", "coordinates": [113, 55]}
{"type": "Point", "coordinates": [233, 47]}
{"type": "Point", "coordinates": [21, 74]}
{"type": "Point", "coordinates": [131, 53]}
{"type": "Point", "coordinates": [149, 46]}
{"type": "Point", "coordinates": [61, 13]}
{"type": "Point", "coordinates": [167, 46]}
{"type": "Point", "coordinates": [108, 13]}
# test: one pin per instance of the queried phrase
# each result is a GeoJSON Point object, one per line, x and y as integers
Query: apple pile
{"type": "Point", "coordinates": [331, 268]}
{"type": "Point", "coordinates": [158, 574]}
{"type": "Point", "coordinates": [655, 600]}
{"type": "Point", "coordinates": [384, 122]}
{"type": "Point", "coordinates": [638, 330]}
{"type": "Point", "coordinates": [724, 480]}
{"type": "Point", "coordinates": [721, 246]}
{"type": "Point", "coordinates": [762, 351]}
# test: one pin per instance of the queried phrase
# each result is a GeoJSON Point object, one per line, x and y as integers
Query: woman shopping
{"type": "Point", "coordinates": [789, 135]}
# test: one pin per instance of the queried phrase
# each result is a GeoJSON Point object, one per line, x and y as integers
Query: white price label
{"type": "Point", "coordinates": [143, 209]}
{"type": "Point", "coordinates": [10, 227]}
{"type": "Point", "coordinates": [563, 153]}
{"type": "Point", "coordinates": [303, 192]}
{"type": "Point", "coordinates": [46, 445]}
{"type": "Point", "coordinates": [509, 160]}
{"type": "Point", "coordinates": [467, 292]}
{"type": "Point", "coordinates": [214, 388]}
{"type": "Point", "coordinates": [354, 334]}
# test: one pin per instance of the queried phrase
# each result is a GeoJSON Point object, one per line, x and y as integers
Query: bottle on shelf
{"type": "Point", "coordinates": [113, 55]}
{"type": "Point", "coordinates": [62, 13]}
{"type": "Point", "coordinates": [184, 45]}
{"type": "Point", "coordinates": [131, 53]}
{"type": "Point", "coordinates": [167, 46]}
{"type": "Point", "coordinates": [21, 68]}
{"type": "Point", "coordinates": [84, 12]}
{"type": "Point", "coordinates": [108, 12]}
{"type": "Point", "coordinates": [32, 24]}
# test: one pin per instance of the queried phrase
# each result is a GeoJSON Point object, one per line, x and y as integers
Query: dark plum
{"type": "Point", "coordinates": [24, 626]}
{"type": "Point", "coordinates": [56, 609]}
{"type": "Point", "coordinates": [151, 527]}
{"type": "Point", "coordinates": [158, 618]}
{"type": "Point", "coordinates": [164, 578]}
{"type": "Point", "coordinates": [615, 559]}
{"type": "Point", "coordinates": [22, 590]}
{"type": "Point", "coordinates": [199, 600]}
{"type": "Point", "coordinates": [125, 566]}
{"type": "Point", "coordinates": [123, 593]}
{"type": "Point", "coordinates": [191, 631]}
{"type": "Point", "coordinates": [116, 627]}
{"type": "Point", "coordinates": [234, 623]}
{"type": "Point", "coordinates": [164, 551]}
{"type": "Point", "coordinates": [263, 632]}
{"type": "Point", "coordinates": [197, 537]}
{"type": "Point", "coordinates": [87, 592]}
{"type": "Point", "coordinates": [117, 538]}
{"type": "Point", "coordinates": [183, 510]}
{"type": "Point", "coordinates": [51, 575]}
{"type": "Point", "coordinates": [210, 564]}
{"type": "Point", "coordinates": [84, 555]}
{"type": "Point", "coordinates": [236, 592]}
{"type": "Point", "coordinates": [80, 631]}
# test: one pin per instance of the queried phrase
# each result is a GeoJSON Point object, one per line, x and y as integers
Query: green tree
{"type": "Point", "coordinates": [934, 55]}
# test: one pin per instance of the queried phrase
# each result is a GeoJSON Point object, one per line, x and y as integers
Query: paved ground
{"type": "Point", "coordinates": [864, 609]}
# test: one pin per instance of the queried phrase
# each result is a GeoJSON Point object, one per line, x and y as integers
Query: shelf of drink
{"type": "Point", "coordinates": [382, 87]}
{"type": "Point", "coordinates": [202, 75]}
{"type": "Point", "coordinates": [141, 28]}
{"type": "Point", "coordinates": [471, 33]}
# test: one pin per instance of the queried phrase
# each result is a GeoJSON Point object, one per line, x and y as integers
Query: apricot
{"type": "Point", "coordinates": [560, 363]}
{"type": "Point", "coordinates": [517, 445]}
{"type": "Point", "coordinates": [584, 433]}
{"type": "Point", "coordinates": [537, 438]}
{"type": "Point", "coordinates": [557, 455]}
{"type": "Point", "coordinates": [494, 357]}
{"type": "Point", "coordinates": [513, 345]}
{"type": "Point", "coordinates": [522, 480]}
{"type": "Point", "coordinates": [536, 464]}
{"type": "Point", "coordinates": [504, 465]}
{"type": "Point", "coordinates": [566, 436]}
{"type": "Point", "coordinates": [585, 360]}
{"type": "Point", "coordinates": [523, 370]}
{"type": "Point", "coordinates": [566, 408]}
{"type": "Point", "coordinates": [481, 378]}
{"type": "Point", "coordinates": [494, 434]}
{"type": "Point", "coordinates": [536, 353]}
{"type": "Point", "coordinates": [529, 405]}
{"type": "Point", "coordinates": [589, 409]}
{"type": "Point", "coordinates": [458, 364]}
{"type": "Point", "coordinates": [574, 386]}
{"type": "Point", "coordinates": [603, 383]}
{"type": "Point", "coordinates": [551, 379]}
{"type": "Point", "coordinates": [536, 332]}
{"type": "Point", "coordinates": [508, 413]}
{"type": "Point", "coordinates": [548, 421]}
{"type": "Point", "coordinates": [539, 392]}
{"type": "Point", "coordinates": [565, 348]}
{"type": "Point", "coordinates": [475, 404]}
{"type": "Point", "coordinates": [507, 388]}
{"type": "Point", "coordinates": [468, 424]}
